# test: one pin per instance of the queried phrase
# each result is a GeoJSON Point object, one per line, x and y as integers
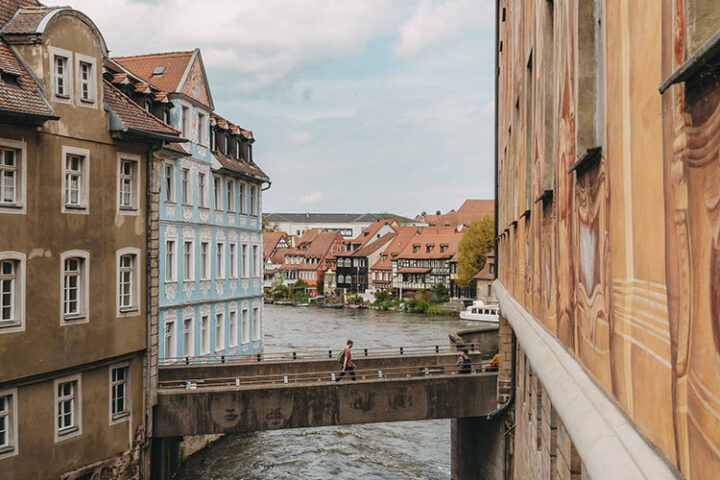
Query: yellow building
{"type": "Point", "coordinates": [74, 328]}
{"type": "Point", "coordinates": [608, 249]}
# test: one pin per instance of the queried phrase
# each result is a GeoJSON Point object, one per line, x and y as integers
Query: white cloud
{"type": "Point", "coordinates": [437, 22]}
{"type": "Point", "coordinates": [260, 42]}
{"type": "Point", "coordinates": [311, 197]}
{"type": "Point", "coordinates": [298, 137]}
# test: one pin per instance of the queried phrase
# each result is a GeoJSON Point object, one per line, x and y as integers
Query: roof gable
{"type": "Point", "coordinates": [194, 82]}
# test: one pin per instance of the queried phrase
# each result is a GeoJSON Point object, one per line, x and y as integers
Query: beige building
{"type": "Point", "coordinates": [74, 154]}
{"type": "Point", "coordinates": [608, 174]}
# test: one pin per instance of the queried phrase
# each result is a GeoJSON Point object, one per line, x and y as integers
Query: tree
{"type": "Point", "coordinates": [474, 245]}
{"type": "Point", "coordinates": [267, 226]}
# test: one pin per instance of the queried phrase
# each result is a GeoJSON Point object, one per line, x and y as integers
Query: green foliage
{"type": "Point", "coordinates": [355, 300]}
{"type": "Point", "coordinates": [440, 293]}
{"type": "Point", "coordinates": [279, 291]}
{"type": "Point", "coordinates": [417, 306]}
{"type": "Point", "coordinates": [382, 296]}
{"type": "Point", "coordinates": [267, 226]}
{"type": "Point", "coordinates": [476, 242]}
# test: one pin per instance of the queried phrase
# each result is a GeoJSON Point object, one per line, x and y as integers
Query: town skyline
{"type": "Point", "coordinates": [357, 112]}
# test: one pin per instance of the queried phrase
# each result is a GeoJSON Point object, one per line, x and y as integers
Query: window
{"type": "Point", "coordinates": [188, 337]}
{"type": "Point", "coordinates": [241, 194]}
{"type": "Point", "coordinates": [128, 280]}
{"type": "Point", "coordinates": [212, 139]}
{"type": "Point", "coordinates": [68, 408]}
{"type": "Point", "coordinates": [76, 171]}
{"type": "Point", "coordinates": [232, 252]}
{"type": "Point", "coordinates": [256, 324]}
{"type": "Point", "coordinates": [237, 149]}
{"type": "Point", "coordinates": [201, 127]}
{"type": "Point", "coordinates": [61, 73]}
{"type": "Point", "coordinates": [256, 261]}
{"type": "Point", "coordinates": [169, 339]}
{"type": "Point", "coordinates": [185, 121]}
{"type": "Point", "coordinates": [188, 261]}
{"type": "Point", "coordinates": [232, 339]}
{"type": "Point", "coordinates": [219, 331]}
{"type": "Point", "coordinates": [225, 144]}
{"type": "Point", "coordinates": [245, 327]}
{"type": "Point", "coordinates": [75, 283]}
{"type": "Point", "coordinates": [8, 423]}
{"type": "Point", "coordinates": [85, 79]}
{"type": "Point", "coordinates": [128, 188]}
{"type": "Point", "coordinates": [186, 186]}
{"type": "Point", "coordinates": [169, 182]}
{"type": "Point", "coordinates": [249, 153]}
{"type": "Point", "coordinates": [202, 190]}
{"type": "Point", "coordinates": [218, 193]}
{"type": "Point", "coordinates": [12, 292]}
{"type": "Point", "coordinates": [204, 335]}
{"type": "Point", "coordinates": [244, 260]}
{"type": "Point", "coordinates": [9, 175]}
{"type": "Point", "coordinates": [204, 261]}
{"type": "Point", "coordinates": [220, 260]}
{"type": "Point", "coordinates": [119, 394]}
{"type": "Point", "coordinates": [231, 195]}
{"type": "Point", "coordinates": [170, 273]}
{"type": "Point", "coordinates": [166, 116]}
{"type": "Point", "coordinates": [253, 200]}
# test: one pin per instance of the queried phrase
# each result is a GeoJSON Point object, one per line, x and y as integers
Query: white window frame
{"type": "Point", "coordinates": [201, 128]}
{"type": "Point", "coordinates": [134, 207]}
{"type": "Point", "coordinates": [233, 260]}
{"type": "Point", "coordinates": [186, 195]}
{"type": "Point", "coordinates": [205, 326]}
{"type": "Point", "coordinates": [10, 414]}
{"type": "Point", "coordinates": [219, 339]}
{"type": "Point", "coordinates": [124, 415]}
{"type": "Point", "coordinates": [83, 316]}
{"type": "Point", "coordinates": [185, 116]}
{"type": "Point", "coordinates": [245, 327]}
{"type": "Point", "coordinates": [134, 308]}
{"type": "Point", "coordinates": [202, 190]}
{"type": "Point", "coordinates": [83, 207]}
{"type": "Point", "coordinates": [232, 327]}
{"type": "Point", "coordinates": [91, 101]}
{"type": "Point", "coordinates": [245, 271]}
{"type": "Point", "coordinates": [20, 203]}
{"type": "Point", "coordinates": [191, 318]}
{"type": "Point", "coordinates": [205, 261]}
{"type": "Point", "coordinates": [256, 260]}
{"type": "Point", "coordinates": [230, 191]}
{"type": "Point", "coordinates": [170, 193]}
{"type": "Point", "coordinates": [243, 198]}
{"type": "Point", "coordinates": [67, 76]}
{"type": "Point", "coordinates": [254, 201]}
{"type": "Point", "coordinates": [76, 428]}
{"type": "Point", "coordinates": [17, 324]}
{"type": "Point", "coordinates": [221, 255]}
{"type": "Point", "coordinates": [172, 278]}
{"type": "Point", "coordinates": [188, 276]}
{"type": "Point", "coordinates": [256, 327]}
{"type": "Point", "coordinates": [218, 192]}
{"type": "Point", "coordinates": [172, 324]}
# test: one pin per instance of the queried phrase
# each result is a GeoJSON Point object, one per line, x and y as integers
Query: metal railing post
{"type": "Point", "coordinates": [329, 353]}
{"type": "Point", "coordinates": [365, 352]}
{"type": "Point", "coordinates": [294, 355]}
{"type": "Point", "coordinates": [187, 360]}
{"type": "Point", "coordinates": [401, 350]}
{"type": "Point", "coordinates": [258, 357]}
{"type": "Point", "coordinates": [222, 359]}
{"type": "Point", "coordinates": [437, 348]}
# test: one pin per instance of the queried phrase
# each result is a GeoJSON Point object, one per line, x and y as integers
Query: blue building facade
{"type": "Point", "coordinates": [210, 225]}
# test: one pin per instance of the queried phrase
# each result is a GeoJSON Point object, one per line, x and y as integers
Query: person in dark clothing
{"type": "Point", "coordinates": [347, 364]}
{"type": "Point", "coordinates": [465, 362]}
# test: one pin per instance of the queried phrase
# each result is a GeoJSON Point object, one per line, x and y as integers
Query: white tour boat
{"type": "Point", "coordinates": [479, 312]}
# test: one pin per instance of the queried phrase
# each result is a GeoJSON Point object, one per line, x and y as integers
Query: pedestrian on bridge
{"type": "Point", "coordinates": [347, 364]}
{"type": "Point", "coordinates": [465, 362]}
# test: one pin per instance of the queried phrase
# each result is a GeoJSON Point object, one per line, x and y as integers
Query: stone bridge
{"type": "Point", "coordinates": [248, 395]}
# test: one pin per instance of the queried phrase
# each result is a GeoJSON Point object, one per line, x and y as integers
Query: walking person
{"type": "Point", "coordinates": [347, 364]}
{"type": "Point", "coordinates": [465, 362]}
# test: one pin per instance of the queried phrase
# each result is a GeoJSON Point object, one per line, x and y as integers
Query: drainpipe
{"type": "Point", "coordinates": [495, 74]}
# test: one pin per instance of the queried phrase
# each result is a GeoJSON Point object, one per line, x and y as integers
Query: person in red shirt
{"type": "Point", "coordinates": [348, 365]}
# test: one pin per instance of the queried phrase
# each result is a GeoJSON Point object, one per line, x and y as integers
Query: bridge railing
{"type": "Point", "coordinates": [375, 374]}
{"type": "Point", "coordinates": [312, 354]}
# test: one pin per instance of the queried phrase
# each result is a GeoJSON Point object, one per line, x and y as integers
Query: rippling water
{"type": "Point", "coordinates": [407, 450]}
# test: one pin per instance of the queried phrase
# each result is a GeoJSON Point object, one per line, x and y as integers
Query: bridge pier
{"type": "Point", "coordinates": [477, 448]}
{"type": "Point", "coordinates": [166, 459]}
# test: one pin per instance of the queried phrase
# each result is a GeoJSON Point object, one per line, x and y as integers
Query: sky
{"type": "Point", "coordinates": [355, 105]}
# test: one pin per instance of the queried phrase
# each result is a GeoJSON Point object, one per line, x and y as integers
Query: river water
{"type": "Point", "coordinates": [405, 450]}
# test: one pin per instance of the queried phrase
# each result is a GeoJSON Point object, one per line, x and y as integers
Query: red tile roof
{"type": "Point", "coordinates": [25, 98]}
{"type": "Point", "coordinates": [431, 237]}
{"type": "Point", "coordinates": [270, 241]}
{"type": "Point", "coordinates": [132, 116]}
{"type": "Point", "coordinates": [470, 211]}
{"type": "Point", "coordinates": [240, 166]}
{"type": "Point", "coordinates": [374, 246]}
{"type": "Point", "coordinates": [396, 245]}
{"type": "Point", "coordinates": [9, 7]}
{"type": "Point", "coordinates": [143, 66]}
{"type": "Point", "coordinates": [485, 274]}
{"type": "Point", "coordinates": [27, 20]}
{"type": "Point", "coordinates": [369, 232]}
